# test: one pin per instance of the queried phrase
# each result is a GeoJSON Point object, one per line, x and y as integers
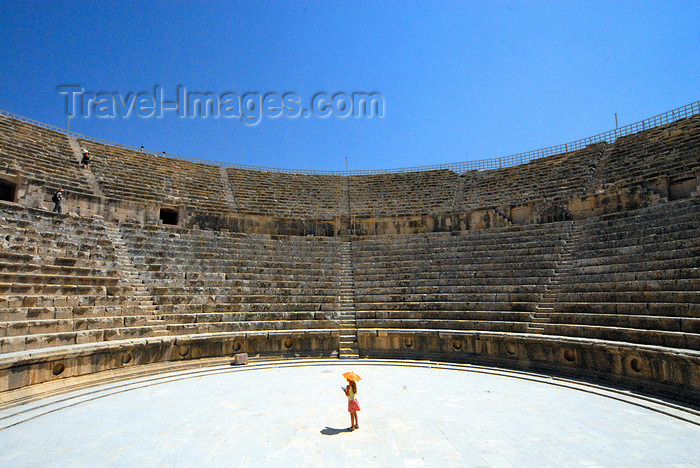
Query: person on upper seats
{"type": "Point", "coordinates": [86, 159]}
{"type": "Point", "coordinates": [57, 199]}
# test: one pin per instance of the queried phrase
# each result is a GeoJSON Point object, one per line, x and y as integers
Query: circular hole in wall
{"type": "Point", "coordinates": [126, 358]}
{"type": "Point", "coordinates": [288, 343]}
{"type": "Point", "coordinates": [456, 344]}
{"type": "Point", "coordinates": [636, 365]}
{"type": "Point", "coordinates": [237, 346]}
{"type": "Point", "coordinates": [408, 342]}
{"type": "Point", "coordinates": [569, 355]}
{"type": "Point", "coordinates": [184, 351]}
{"type": "Point", "coordinates": [58, 368]}
{"type": "Point", "coordinates": [511, 349]}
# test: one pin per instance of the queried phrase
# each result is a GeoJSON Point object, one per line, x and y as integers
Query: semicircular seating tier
{"type": "Point", "coordinates": [584, 263]}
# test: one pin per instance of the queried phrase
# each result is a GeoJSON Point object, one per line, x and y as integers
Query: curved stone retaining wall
{"type": "Point", "coordinates": [22, 369]}
{"type": "Point", "coordinates": [675, 374]}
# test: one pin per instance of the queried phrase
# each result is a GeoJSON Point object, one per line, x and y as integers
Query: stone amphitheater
{"type": "Point", "coordinates": [582, 264]}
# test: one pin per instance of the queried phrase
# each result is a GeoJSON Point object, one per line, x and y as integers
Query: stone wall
{"type": "Point", "coordinates": [650, 370]}
{"type": "Point", "coordinates": [658, 164]}
{"type": "Point", "coordinates": [56, 364]}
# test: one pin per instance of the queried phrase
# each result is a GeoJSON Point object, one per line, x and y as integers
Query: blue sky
{"type": "Point", "coordinates": [460, 80]}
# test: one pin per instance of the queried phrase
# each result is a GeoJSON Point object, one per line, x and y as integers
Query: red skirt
{"type": "Point", "coordinates": [353, 405]}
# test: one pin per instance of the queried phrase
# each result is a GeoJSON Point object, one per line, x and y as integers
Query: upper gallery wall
{"type": "Point", "coordinates": [573, 181]}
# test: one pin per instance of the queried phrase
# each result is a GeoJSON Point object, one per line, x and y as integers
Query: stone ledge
{"type": "Point", "coordinates": [25, 368]}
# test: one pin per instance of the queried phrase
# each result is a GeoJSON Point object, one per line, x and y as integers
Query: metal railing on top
{"type": "Point", "coordinates": [484, 164]}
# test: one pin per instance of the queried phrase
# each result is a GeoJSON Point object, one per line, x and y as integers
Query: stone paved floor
{"type": "Point", "coordinates": [412, 416]}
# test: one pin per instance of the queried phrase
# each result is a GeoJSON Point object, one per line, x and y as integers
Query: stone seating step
{"type": "Point", "coordinates": [680, 285]}
{"type": "Point", "coordinates": [510, 234]}
{"type": "Point", "coordinates": [223, 304]}
{"type": "Point", "coordinates": [479, 315]}
{"type": "Point", "coordinates": [686, 249]}
{"type": "Point", "coordinates": [452, 286]}
{"type": "Point", "coordinates": [406, 323]}
{"type": "Point", "coordinates": [16, 301]}
{"type": "Point", "coordinates": [220, 327]}
{"type": "Point", "coordinates": [242, 285]}
{"type": "Point", "coordinates": [668, 339]}
{"type": "Point", "coordinates": [644, 322]}
{"type": "Point", "coordinates": [465, 284]}
{"type": "Point", "coordinates": [247, 272]}
{"type": "Point", "coordinates": [348, 353]}
{"type": "Point", "coordinates": [242, 307]}
{"type": "Point", "coordinates": [122, 310]}
{"type": "Point", "coordinates": [608, 251]}
{"type": "Point", "coordinates": [30, 289]}
{"type": "Point", "coordinates": [638, 308]}
{"type": "Point", "coordinates": [15, 257]}
{"type": "Point", "coordinates": [272, 300]}
{"type": "Point", "coordinates": [456, 261]}
{"type": "Point", "coordinates": [210, 316]}
{"type": "Point", "coordinates": [645, 216]}
{"type": "Point", "coordinates": [647, 220]}
{"type": "Point", "coordinates": [56, 279]}
{"type": "Point", "coordinates": [466, 274]}
{"type": "Point", "coordinates": [301, 260]}
{"type": "Point", "coordinates": [37, 327]}
{"type": "Point", "coordinates": [684, 269]}
{"type": "Point", "coordinates": [46, 340]}
{"type": "Point", "coordinates": [25, 266]}
{"type": "Point", "coordinates": [445, 307]}
{"type": "Point", "coordinates": [641, 296]}
{"type": "Point", "coordinates": [487, 300]}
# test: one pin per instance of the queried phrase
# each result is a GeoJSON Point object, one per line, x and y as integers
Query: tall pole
{"type": "Point", "coordinates": [68, 129]}
{"type": "Point", "coordinates": [615, 120]}
{"type": "Point", "coordinates": [346, 164]}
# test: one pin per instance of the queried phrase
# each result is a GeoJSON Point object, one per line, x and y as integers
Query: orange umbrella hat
{"type": "Point", "coordinates": [352, 376]}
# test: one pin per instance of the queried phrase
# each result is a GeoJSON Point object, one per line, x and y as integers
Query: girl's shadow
{"type": "Point", "coordinates": [333, 431]}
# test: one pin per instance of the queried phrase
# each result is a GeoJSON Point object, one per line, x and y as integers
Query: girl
{"type": "Point", "coordinates": [353, 404]}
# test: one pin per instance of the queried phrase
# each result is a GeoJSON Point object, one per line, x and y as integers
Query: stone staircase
{"type": "Point", "coordinates": [458, 201]}
{"type": "Point", "coordinates": [540, 315]}
{"type": "Point", "coordinates": [130, 276]}
{"type": "Point", "coordinates": [345, 208]}
{"type": "Point", "coordinates": [89, 176]}
{"type": "Point", "coordinates": [600, 165]}
{"type": "Point", "coordinates": [227, 190]}
{"type": "Point", "coordinates": [500, 214]}
{"type": "Point", "coordinates": [349, 348]}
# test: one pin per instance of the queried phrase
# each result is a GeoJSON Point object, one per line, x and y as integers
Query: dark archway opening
{"type": "Point", "coordinates": [682, 188]}
{"type": "Point", "coordinates": [168, 216]}
{"type": "Point", "coordinates": [8, 190]}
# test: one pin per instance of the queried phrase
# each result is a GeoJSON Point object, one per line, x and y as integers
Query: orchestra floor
{"type": "Point", "coordinates": [294, 413]}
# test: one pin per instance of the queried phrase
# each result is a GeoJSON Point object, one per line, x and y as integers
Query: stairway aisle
{"type": "Point", "coordinates": [545, 307]}
{"type": "Point", "coordinates": [129, 274]}
{"type": "Point", "coordinates": [349, 347]}
{"type": "Point", "coordinates": [89, 176]}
